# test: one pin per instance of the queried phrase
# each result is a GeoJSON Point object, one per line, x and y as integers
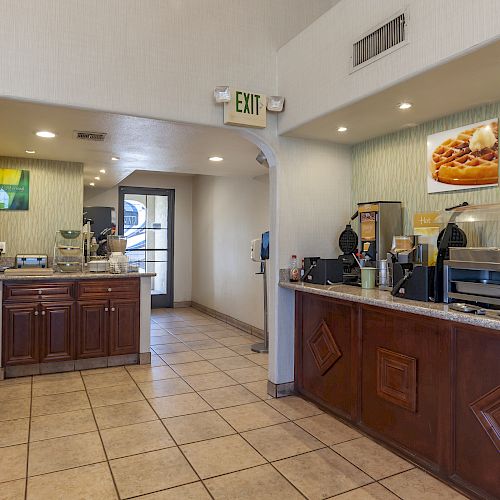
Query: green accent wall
{"type": "Point", "coordinates": [393, 167]}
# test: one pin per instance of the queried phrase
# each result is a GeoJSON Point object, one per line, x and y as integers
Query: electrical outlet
{"type": "Point", "coordinates": [3, 247]}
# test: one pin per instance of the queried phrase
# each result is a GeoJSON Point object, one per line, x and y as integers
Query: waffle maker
{"type": "Point", "coordinates": [348, 244]}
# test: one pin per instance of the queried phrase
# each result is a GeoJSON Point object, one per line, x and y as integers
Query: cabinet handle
{"type": "Point", "coordinates": [40, 292]}
{"type": "Point", "coordinates": [43, 313]}
{"type": "Point", "coordinates": [106, 309]}
{"type": "Point", "coordinates": [36, 313]}
{"type": "Point", "coordinates": [109, 289]}
{"type": "Point", "coordinates": [112, 309]}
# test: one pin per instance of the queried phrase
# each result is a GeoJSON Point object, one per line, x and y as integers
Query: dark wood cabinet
{"type": "Point", "coordinates": [20, 334]}
{"type": "Point", "coordinates": [123, 327]}
{"type": "Point", "coordinates": [56, 325]}
{"type": "Point", "coordinates": [93, 319]}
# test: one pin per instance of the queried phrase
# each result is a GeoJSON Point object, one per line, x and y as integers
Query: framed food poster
{"type": "Point", "coordinates": [14, 189]}
{"type": "Point", "coordinates": [463, 158]}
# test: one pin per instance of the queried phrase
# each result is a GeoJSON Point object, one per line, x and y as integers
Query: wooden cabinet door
{"type": "Point", "coordinates": [20, 334]}
{"type": "Point", "coordinates": [325, 370]}
{"type": "Point", "coordinates": [92, 332]}
{"type": "Point", "coordinates": [124, 327]}
{"type": "Point", "coordinates": [477, 409]}
{"type": "Point", "coordinates": [56, 331]}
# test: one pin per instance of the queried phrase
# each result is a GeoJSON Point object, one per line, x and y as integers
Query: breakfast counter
{"type": "Point", "coordinates": [418, 377]}
{"type": "Point", "coordinates": [73, 321]}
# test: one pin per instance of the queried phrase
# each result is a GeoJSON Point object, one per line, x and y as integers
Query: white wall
{"type": "Point", "coordinates": [182, 224]}
{"type": "Point", "coordinates": [228, 212]}
{"type": "Point", "coordinates": [313, 68]}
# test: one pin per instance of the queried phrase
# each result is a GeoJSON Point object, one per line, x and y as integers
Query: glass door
{"type": "Point", "coordinates": [146, 219]}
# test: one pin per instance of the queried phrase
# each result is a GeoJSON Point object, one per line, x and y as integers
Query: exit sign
{"type": "Point", "coordinates": [246, 109]}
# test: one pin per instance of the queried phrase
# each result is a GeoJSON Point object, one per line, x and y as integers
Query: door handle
{"type": "Point", "coordinates": [40, 292]}
{"type": "Point", "coordinates": [109, 289]}
{"type": "Point", "coordinates": [43, 313]}
{"type": "Point", "coordinates": [106, 309]}
{"type": "Point", "coordinates": [112, 309]}
{"type": "Point", "coordinates": [36, 313]}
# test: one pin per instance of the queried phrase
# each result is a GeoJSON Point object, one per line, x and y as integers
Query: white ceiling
{"type": "Point", "coordinates": [140, 143]}
{"type": "Point", "coordinates": [462, 83]}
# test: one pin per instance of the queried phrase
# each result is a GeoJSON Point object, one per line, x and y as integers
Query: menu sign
{"type": "Point", "coordinates": [14, 189]}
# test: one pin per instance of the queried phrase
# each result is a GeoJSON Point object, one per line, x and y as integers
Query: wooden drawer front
{"type": "Point", "coordinates": [35, 291]}
{"type": "Point", "coordinates": [126, 288]}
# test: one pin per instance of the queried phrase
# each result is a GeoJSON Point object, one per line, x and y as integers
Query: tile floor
{"type": "Point", "coordinates": [197, 424]}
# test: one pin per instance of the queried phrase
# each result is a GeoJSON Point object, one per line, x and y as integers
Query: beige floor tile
{"type": "Point", "coordinates": [104, 371]}
{"type": "Point", "coordinates": [197, 427]}
{"type": "Point", "coordinates": [261, 359]}
{"type": "Point", "coordinates": [418, 485]}
{"type": "Point", "coordinates": [66, 452]}
{"type": "Point", "coordinates": [58, 403]}
{"type": "Point", "coordinates": [181, 404]}
{"type": "Point", "coordinates": [137, 438]}
{"type": "Point", "coordinates": [294, 407]}
{"type": "Point", "coordinates": [191, 337]}
{"type": "Point", "coordinates": [169, 348]}
{"type": "Point", "coordinates": [372, 458]}
{"type": "Point", "coordinates": [105, 396]}
{"type": "Point", "coordinates": [167, 387]}
{"type": "Point", "coordinates": [243, 350]}
{"type": "Point", "coordinates": [100, 380]}
{"type": "Point", "coordinates": [321, 474]}
{"type": "Point", "coordinates": [150, 472]}
{"type": "Point", "coordinates": [16, 381]}
{"type": "Point", "coordinates": [15, 391]}
{"type": "Point", "coordinates": [146, 373]}
{"type": "Point", "coordinates": [220, 352]}
{"type": "Point", "coordinates": [252, 416]}
{"type": "Point", "coordinates": [157, 361]}
{"type": "Point", "coordinates": [372, 491]}
{"type": "Point", "coordinates": [259, 388]}
{"type": "Point", "coordinates": [233, 363]}
{"type": "Point", "coordinates": [215, 327]}
{"type": "Point", "coordinates": [13, 490]}
{"type": "Point", "coordinates": [328, 429]}
{"type": "Point", "coordinates": [209, 381]}
{"type": "Point", "coordinates": [195, 368]}
{"type": "Point", "coordinates": [192, 491]}
{"type": "Point", "coordinates": [237, 340]}
{"type": "Point", "coordinates": [224, 397]}
{"type": "Point", "coordinates": [174, 330]}
{"type": "Point", "coordinates": [220, 334]}
{"type": "Point", "coordinates": [221, 455]}
{"type": "Point", "coordinates": [203, 344]}
{"type": "Point", "coordinates": [14, 432]}
{"type": "Point", "coordinates": [252, 374]}
{"type": "Point", "coordinates": [13, 409]}
{"type": "Point", "coordinates": [13, 463]}
{"type": "Point", "coordinates": [89, 482]}
{"type": "Point", "coordinates": [56, 386]}
{"type": "Point", "coordinates": [164, 340]}
{"type": "Point", "coordinates": [262, 483]}
{"type": "Point", "coordinates": [124, 414]}
{"type": "Point", "coordinates": [281, 441]}
{"type": "Point", "coordinates": [56, 376]}
{"type": "Point", "coordinates": [62, 424]}
{"type": "Point", "coordinates": [181, 357]}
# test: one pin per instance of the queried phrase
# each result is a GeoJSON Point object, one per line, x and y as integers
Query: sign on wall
{"type": "Point", "coordinates": [463, 158]}
{"type": "Point", "coordinates": [246, 109]}
{"type": "Point", "coordinates": [14, 189]}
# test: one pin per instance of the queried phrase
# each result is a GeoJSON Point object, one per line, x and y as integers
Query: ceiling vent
{"type": "Point", "coordinates": [89, 136]}
{"type": "Point", "coordinates": [381, 41]}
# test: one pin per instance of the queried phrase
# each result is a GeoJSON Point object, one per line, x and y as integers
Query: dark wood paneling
{"type": "Point", "coordinates": [124, 327]}
{"type": "Point", "coordinates": [20, 334]}
{"type": "Point", "coordinates": [56, 331]}
{"type": "Point", "coordinates": [92, 332]}
{"type": "Point", "coordinates": [38, 290]}
{"type": "Point", "coordinates": [477, 407]}
{"type": "Point", "coordinates": [126, 288]}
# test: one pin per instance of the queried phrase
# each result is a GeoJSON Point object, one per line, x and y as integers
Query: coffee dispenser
{"type": "Point", "coordinates": [379, 221]}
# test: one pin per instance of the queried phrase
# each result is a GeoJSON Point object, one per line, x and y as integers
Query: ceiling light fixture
{"type": "Point", "coordinates": [115, 158]}
{"type": "Point", "coordinates": [102, 171]}
{"type": "Point", "coordinates": [405, 105]}
{"type": "Point", "coordinates": [342, 129]}
{"type": "Point", "coordinates": [222, 93]}
{"type": "Point", "coordinates": [92, 184]}
{"type": "Point", "coordinates": [275, 103]}
{"type": "Point", "coordinates": [46, 134]}
{"type": "Point", "coordinates": [216, 158]}
{"type": "Point", "coordinates": [30, 151]}
{"type": "Point", "coordinates": [97, 178]}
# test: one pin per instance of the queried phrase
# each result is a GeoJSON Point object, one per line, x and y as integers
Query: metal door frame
{"type": "Point", "coordinates": [122, 191]}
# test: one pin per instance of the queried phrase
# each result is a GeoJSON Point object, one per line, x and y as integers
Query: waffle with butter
{"type": "Point", "coordinates": [453, 162]}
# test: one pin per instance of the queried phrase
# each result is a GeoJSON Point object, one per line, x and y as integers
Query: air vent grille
{"type": "Point", "coordinates": [387, 37]}
{"type": "Point", "coordinates": [89, 136]}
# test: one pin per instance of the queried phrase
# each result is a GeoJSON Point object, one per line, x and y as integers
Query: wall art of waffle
{"type": "Point", "coordinates": [463, 158]}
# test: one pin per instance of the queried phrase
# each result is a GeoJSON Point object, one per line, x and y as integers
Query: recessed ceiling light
{"type": "Point", "coordinates": [115, 158]}
{"type": "Point", "coordinates": [216, 158]}
{"type": "Point", "coordinates": [97, 178]}
{"type": "Point", "coordinates": [342, 129]}
{"type": "Point", "coordinates": [404, 105]}
{"type": "Point", "coordinates": [102, 171]}
{"type": "Point", "coordinates": [46, 134]}
{"type": "Point", "coordinates": [91, 183]}
{"type": "Point", "coordinates": [30, 151]}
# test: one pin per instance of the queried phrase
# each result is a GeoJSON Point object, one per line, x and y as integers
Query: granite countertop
{"type": "Point", "coordinates": [383, 298]}
{"type": "Point", "coordinates": [73, 276]}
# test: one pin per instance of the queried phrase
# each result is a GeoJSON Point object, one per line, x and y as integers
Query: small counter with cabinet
{"type": "Point", "coordinates": [66, 322]}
